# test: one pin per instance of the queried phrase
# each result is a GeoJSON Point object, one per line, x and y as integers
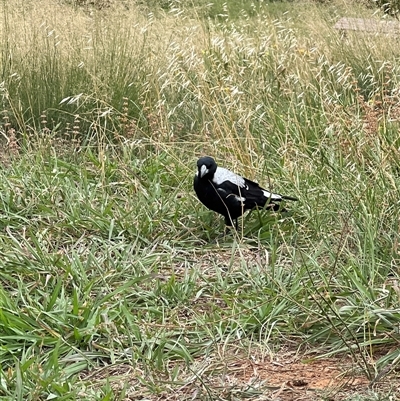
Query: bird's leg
{"type": "Point", "coordinates": [228, 224]}
{"type": "Point", "coordinates": [227, 231]}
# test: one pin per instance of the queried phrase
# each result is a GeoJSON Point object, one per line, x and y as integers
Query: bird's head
{"type": "Point", "coordinates": [206, 166]}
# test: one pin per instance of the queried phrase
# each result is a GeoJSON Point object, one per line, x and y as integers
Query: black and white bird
{"type": "Point", "coordinates": [229, 194]}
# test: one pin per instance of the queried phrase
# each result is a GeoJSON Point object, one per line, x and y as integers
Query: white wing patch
{"type": "Point", "coordinates": [223, 193]}
{"type": "Point", "coordinates": [272, 196]}
{"type": "Point", "coordinates": [223, 174]}
{"type": "Point", "coordinates": [239, 198]}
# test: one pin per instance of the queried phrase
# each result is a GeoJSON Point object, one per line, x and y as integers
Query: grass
{"type": "Point", "coordinates": [115, 282]}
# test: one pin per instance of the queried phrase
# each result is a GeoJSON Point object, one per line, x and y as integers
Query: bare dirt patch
{"type": "Point", "coordinates": [296, 380]}
{"type": "Point", "coordinates": [237, 378]}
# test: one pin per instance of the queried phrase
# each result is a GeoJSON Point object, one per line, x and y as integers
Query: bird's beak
{"type": "Point", "coordinates": [203, 171]}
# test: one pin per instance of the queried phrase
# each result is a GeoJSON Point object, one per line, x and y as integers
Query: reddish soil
{"type": "Point", "coordinates": [234, 377]}
{"type": "Point", "coordinates": [295, 380]}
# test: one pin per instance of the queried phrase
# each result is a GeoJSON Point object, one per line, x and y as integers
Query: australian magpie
{"type": "Point", "coordinates": [230, 194]}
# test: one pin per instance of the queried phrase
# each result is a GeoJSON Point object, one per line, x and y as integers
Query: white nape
{"type": "Point", "coordinates": [223, 174]}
